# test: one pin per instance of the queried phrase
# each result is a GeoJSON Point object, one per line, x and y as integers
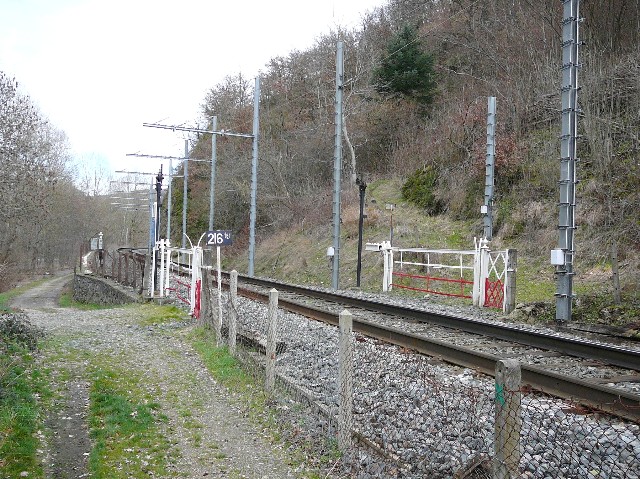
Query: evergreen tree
{"type": "Point", "coordinates": [406, 70]}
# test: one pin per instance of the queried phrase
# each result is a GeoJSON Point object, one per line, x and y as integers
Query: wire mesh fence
{"type": "Point", "coordinates": [560, 439]}
{"type": "Point", "coordinates": [408, 415]}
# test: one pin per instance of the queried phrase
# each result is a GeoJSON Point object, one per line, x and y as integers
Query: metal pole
{"type": "Point", "coordinates": [568, 143]}
{"type": "Point", "coordinates": [489, 178]}
{"type": "Point", "coordinates": [254, 176]}
{"type": "Point", "coordinates": [363, 186]}
{"type": "Point", "coordinates": [169, 190]}
{"type": "Point", "coordinates": [159, 179]}
{"type": "Point", "coordinates": [152, 233]}
{"type": "Point", "coordinates": [212, 188]}
{"type": "Point", "coordinates": [185, 164]}
{"type": "Point", "coordinates": [337, 165]}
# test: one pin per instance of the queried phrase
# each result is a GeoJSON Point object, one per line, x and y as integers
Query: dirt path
{"type": "Point", "coordinates": [209, 432]}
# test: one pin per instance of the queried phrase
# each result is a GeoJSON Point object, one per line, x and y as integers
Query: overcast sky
{"type": "Point", "coordinates": [99, 69]}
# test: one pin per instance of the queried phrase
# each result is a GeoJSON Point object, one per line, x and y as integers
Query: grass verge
{"type": "Point", "coordinates": [226, 369]}
{"type": "Point", "coordinates": [125, 426]}
{"type": "Point", "coordinates": [150, 314]}
{"type": "Point", "coordinates": [21, 384]}
{"type": "Point", "coordinates": [229, 372]}
{"type": "Point", "coordinates": [9, 295]}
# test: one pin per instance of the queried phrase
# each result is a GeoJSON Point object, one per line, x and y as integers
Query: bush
{"type": "Point", "coordinates": [419, 189]}
{"type": "Point", "coordinates": [16, 328]}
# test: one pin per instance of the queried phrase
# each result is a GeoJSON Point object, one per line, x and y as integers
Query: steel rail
{"type": "Point", "coordinates": [614, 401]}
{"type": "Point", "coordinates": [582, 348]}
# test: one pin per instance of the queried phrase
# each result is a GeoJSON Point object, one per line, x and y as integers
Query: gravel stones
{"type": "Point", "coordinates": [231, 446]}
{"type": "Point", "coordinates": [433, 418]}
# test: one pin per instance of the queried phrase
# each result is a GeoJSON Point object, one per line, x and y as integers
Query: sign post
{"type": "Point", "coordinates": [219, 238]}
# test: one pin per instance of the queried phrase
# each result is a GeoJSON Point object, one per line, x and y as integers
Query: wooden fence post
{"type": "Point", "coordinates": [272, 320]}
{"type": "Point", "coordinates": [508, 420]}
{"type": "Point", "coordinates": [345, 381]}
{"type": "Point", "coordinates": [233, 311]}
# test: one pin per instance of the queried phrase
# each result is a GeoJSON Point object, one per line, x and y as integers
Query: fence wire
{"type": "Point", "coordinates": [557, 440]}
{"type": "Point", "coordinates": [415, 417]}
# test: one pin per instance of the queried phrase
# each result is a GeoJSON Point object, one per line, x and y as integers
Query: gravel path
{"type": "Point", "coordinates": [196, 406]}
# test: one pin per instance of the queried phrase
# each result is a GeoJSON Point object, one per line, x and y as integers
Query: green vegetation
{"type": "Point", "coordinates": [66, 301]}
{"type": "Point", "coordinates": [405, 69]}
{"type": "Point", "coordinates": [125, 425]}
{"type": "Point", "coordinates": [299, 256]}
{"type": "Point", "coordinates": [225, 368]}
{"type": "Point", "coordinates": [12, 293]}
{"type": "Point", "coordinates": [149, 314]}
{"type": "Point", "coordinates": [20, 384]}
{"type": "Point", "coordinates": [230, 373]}
{"type": "Point", "coordinates": [419, 189]}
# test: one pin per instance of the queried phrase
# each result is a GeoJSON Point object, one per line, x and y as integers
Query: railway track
{"type": "Point", "coordinates": [550, 362]}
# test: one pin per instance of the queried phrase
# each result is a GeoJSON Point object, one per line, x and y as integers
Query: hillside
{"type": "Point", "coordinates": [297, 254]}
{"type": "Point", "coordinates": [468, 50]}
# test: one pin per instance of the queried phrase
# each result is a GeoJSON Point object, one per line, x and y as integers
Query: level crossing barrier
{"type": "Point", "coordinates": [485, 276]}
{"type": "Point", "coordinates": [171, 262]}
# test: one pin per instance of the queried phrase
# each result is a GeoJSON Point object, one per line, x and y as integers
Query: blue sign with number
{"type": "Point", "coordinates": [219, 238]}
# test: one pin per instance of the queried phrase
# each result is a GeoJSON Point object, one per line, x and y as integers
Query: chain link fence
{"type": "Point", "coordinates": [395, 413]}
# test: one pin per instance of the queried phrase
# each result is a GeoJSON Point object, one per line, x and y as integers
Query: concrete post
{"type": "Point", "coordinates": [508, 420]}
{"type": "Point", "coordinates": [205, 306]}
{"type": "Point", "coordinates": [233, 311]}
{"type": "Point", "coordinates": [345, 380]}
{"type": "Point", "coordinates": [511, 268]}
{"type": "Point", "coordinates": [272, 320]}
{"type": "Point", "coordinates": [216, 320]}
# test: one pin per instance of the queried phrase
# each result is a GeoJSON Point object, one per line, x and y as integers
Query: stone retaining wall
{"type": "Point", "coordinates": [93, 289]}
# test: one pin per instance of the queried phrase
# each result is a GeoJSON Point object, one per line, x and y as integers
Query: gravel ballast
{"type": "Point", "coordinates": [436, 419]}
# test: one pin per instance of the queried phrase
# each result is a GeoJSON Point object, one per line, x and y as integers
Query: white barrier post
{"type": "Point", "coordinates": [196, 276]}
{"type": "Point", "coordinates": [387, 277]}
{"type": "Point", "coordinates": [511, 268]}
{"type": "Point", "coordinates": [168, 266]}
{"type": "Point", "coordinates": [484, 271]}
